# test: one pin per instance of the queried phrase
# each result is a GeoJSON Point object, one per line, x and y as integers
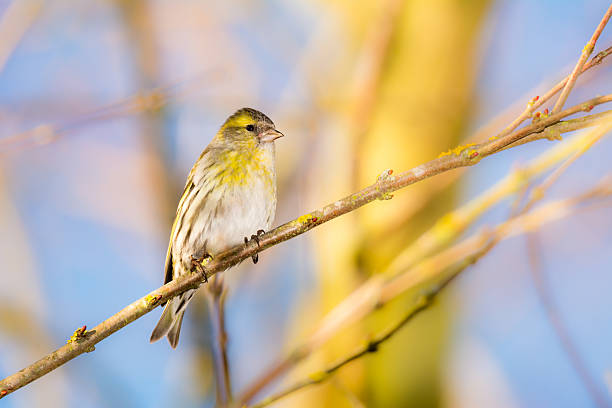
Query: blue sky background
{"type": "Point", "coordinates": [81, 242]}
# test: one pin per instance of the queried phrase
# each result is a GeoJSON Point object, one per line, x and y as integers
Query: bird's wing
{"type": "Point", "coordinates": [189, 185]}
{"type": "Point", "coordinates": [169, 267]}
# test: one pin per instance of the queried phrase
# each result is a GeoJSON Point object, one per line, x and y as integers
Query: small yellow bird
{"type": "Point", "coordinates": [230, 194]}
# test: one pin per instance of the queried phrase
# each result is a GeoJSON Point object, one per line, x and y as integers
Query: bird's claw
{"type": "Point", "coordinates": [196, 263]}
{"type": "Point", "coordinates": [255, 237]}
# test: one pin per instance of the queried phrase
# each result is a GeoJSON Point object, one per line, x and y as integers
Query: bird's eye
{"type": "Point", "coordinates": [250, 128]}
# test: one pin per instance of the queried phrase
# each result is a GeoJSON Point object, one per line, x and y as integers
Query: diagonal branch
{"type": "Point", "coordinates": [372, 346]}
{"type": "Point", "coordinates": [216, 303]}
{"type": "Point", "coordinates": [149, 100]}
{"type": "Point", "coordinates": [448, 227]}
{"type": "Point", "coordinates": [85, 341]}
{"type": "Point", "coordinates": [455, 260]}
{"type": "Point", "coordinates": [541, 283]}
{"type": "Point", "coordinates": [547, 300]}
{"type": "Point", "coordinates": [417, 203]}
{"type": "Point", "coordinates": [368, 296]}
{"type": "Point", "coordinates": [538, 101]}
{"type": "Point", "coordinates": [586, 52]}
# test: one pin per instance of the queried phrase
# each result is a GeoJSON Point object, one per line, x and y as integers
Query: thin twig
{"type": "Point", "coordinates": [539, 191]}
{"type": "Point", "coordinates": [586, 52]}
{"type": "Point", "coordinates": [372, 346]}
{"type": "Point", "coordinates": [368, 295]}
{"type": "Point", "coordinates": [155, 98]}
{"type": "Point", "coordinates": [222, 373]}
{"type": "Point", "coordinates": [497, 143]}
{"type": "Point", "coordinates": [538, 101]}
{"type": "Point", "coordinates": [454, 260]}
{"type": "Point", "coordinates": [547, 300]}
{"type": "Point", "coordinates": [455, 222]}
{"type": "Point", "coordinates": [554, 132]}
{"type": "Point", "coordinates": [144, 101]}
{"type": "Point", "coordinates": [541, 285]}
{"type": "Point", "coordinates": [380, 190]}
{"type": "Point", "coordinates": [417, 203]}
{"type": "Point", "coordinates": [429, 268]}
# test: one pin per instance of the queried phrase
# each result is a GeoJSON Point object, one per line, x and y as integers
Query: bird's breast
{"type": "Point", "coordinates": [231, 199]}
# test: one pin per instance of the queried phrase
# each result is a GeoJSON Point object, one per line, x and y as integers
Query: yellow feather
{"type": "Point", "coordinates": [238, 120]}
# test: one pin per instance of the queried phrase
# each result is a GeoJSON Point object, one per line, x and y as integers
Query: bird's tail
{"type": "Point", "coordinates": [171, 319]}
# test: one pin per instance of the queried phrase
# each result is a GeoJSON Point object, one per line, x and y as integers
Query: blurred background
{"type": "Point", "coordinates": [105, 106]}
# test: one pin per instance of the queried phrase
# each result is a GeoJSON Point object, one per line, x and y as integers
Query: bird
{"type": "Point", "coordinates": [229, 194]}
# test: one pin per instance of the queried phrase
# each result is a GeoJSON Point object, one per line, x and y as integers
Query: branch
{"type": "Point", "coordinates": [417, 203]}
{"type": "Point", "coordinates": [586, 52]}
{"type": "Point", "coordinates": [498, 143]}
{"type": "Point", "coordinates": [456, 259]}
{"type": "Point", "coordinates": [455, 222]}
{"type": "Point", "coordinates": [368, 296]}
{"type": "Point", "coordinates": [538, 101]}
{"type": "Point", "coordinates": [567, 344]}
{"type": "Point", "coordinates": [538, 191]}
{"type": "Point", "coordinates": [216, 296]}
{"type": "Point", "coordinates": [85, 341]}
{"type": "Point", "coordinates": [541, 282]}
{"type": "Point", "coordinates": [429, 268]}
{"type": "Point", "coordinates": [371, 347]}
{"type": "Point", "coordinates": [554, 132]}
{"type": "Point", "coordinates": [149, 100]}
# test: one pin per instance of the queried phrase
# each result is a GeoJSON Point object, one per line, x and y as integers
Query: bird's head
{"type": "Point", "coordinates": [248, 129]}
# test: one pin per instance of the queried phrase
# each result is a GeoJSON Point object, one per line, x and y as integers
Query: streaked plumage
{"type": "Point", "coordinates": [230, 194]}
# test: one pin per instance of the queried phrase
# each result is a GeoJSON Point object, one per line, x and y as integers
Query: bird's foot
{"type": "Point", "coordinates": [198, 264]}
{"type": "Point", "coordinates": [255, 237]}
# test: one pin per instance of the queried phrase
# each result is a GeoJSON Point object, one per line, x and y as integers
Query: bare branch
{"type": "Point", "coordinates": [547, 300]}
{"type": "Point", "coordinates": [538, 101]}
{"type": "Point", "coordinates": [454, 260]}
{"type": "Point", "coordinates": [417, 203]}
{"type": "Point", "coordinates": [216, 296]}
{"type": "Point", "coordinates": [368, 296]}
{"type": "Point", "coordinates": [380, 190]}
{"type": "Point", "coordinates": [371, 347]}
{"type": "Point", "coordinates": [554, 132]}
{"type": "Point", "coordinates": [541, 282]}
{"type": "Point", "coordinates": [145, 101]}
{"type": "Point", "coordinates": [586, 52]}
{"type": "Point", "coordinates": [455, 222]}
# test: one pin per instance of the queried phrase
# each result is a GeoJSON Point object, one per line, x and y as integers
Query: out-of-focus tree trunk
{"type": "Point", "coordinates": [415, 107]}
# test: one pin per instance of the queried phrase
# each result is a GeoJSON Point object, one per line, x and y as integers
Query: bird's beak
{"type": "Point", "coordinates": [270, 135]}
